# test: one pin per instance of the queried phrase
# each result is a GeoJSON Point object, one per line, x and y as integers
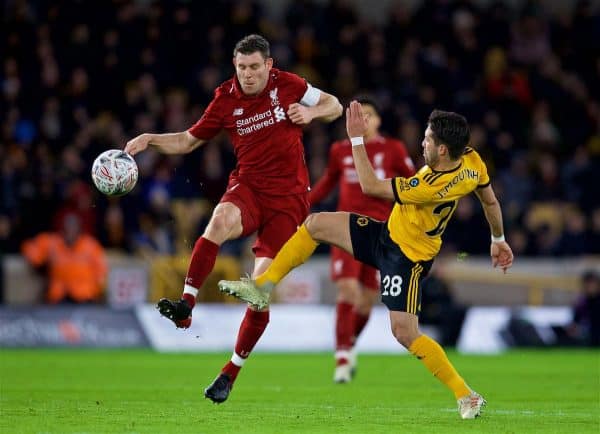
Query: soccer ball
{"type": "Point", "coordinates": [114, 172]}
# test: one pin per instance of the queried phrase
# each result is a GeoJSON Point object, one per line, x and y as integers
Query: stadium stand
{"type": "Point", "coordinates": [81, 77]}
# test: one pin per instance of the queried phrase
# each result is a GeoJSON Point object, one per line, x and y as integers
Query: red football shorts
{"type": "Point", "coordinates": [343, 265]}
{"type": "Point", "coordinates": [274, 218]}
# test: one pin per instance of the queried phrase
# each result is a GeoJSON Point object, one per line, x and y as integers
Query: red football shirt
{"type": "Point", "coordinates": [389, 159]}
{"type": "Point", "coordinates": [268, 146]}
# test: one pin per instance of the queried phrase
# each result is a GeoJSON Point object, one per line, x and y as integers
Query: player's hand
{"type": "Point", "coordinates": [356, 121]}
{"type": "Point", "coordinates": [299, 114]}
{"type": "Point", "coordinates": [138, 144]}
{"type": "Point", "coordinates": [502, 255]}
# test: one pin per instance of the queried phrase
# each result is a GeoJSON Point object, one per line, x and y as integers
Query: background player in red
{"type": "Point", "coordinates": [357, 283]}
{"type": "Point", "coordinates": [263, 111]}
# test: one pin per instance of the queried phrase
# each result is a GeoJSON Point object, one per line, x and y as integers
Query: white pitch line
{"type": "Point", "coordinates": [487, 410]}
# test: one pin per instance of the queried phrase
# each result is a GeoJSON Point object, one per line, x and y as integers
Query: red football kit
{"type": "Point", "coordinates": [389, 158]}
{"type": "Point", "coordinates": [270, 182]}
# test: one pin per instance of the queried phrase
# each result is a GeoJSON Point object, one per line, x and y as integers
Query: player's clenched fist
{"type": "Point", "coordinates": [138, 144]}
{"type": "Point", "coordinates": [299, 114]}
{"type": "Point", "coordinates": [502, 255]}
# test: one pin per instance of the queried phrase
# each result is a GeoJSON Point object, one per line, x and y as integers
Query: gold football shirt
{"type": "Point", "coordinates": [425, 202]}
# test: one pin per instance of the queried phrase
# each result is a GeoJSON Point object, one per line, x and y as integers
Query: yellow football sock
{"type": "Point", "coordinates": [294, 252]}
{"type": "Point", "coordinates": [434, 358]}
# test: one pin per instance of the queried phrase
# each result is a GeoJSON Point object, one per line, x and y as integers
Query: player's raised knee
{"type": "Point", "coordinates": [312, 222]}
{"type": "Point", "coordinates": [225, 220]}
{"type": "Point", "coordinates": [316, 224]}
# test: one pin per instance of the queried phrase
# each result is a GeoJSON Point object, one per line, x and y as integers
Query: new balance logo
{"type": "Point", "coordinates": [279, 114]}
{"type": "Point", "coordinates": [238, 112]}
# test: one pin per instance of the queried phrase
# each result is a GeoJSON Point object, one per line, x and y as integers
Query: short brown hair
{"type": "Point", "coordinates": [452, 130]}
{"type": "Point", "coordinates": [251, 44]}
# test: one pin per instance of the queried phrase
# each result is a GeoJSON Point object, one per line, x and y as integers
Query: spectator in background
{"type": "Point", "coordinates": [155, 236]}
{"type": "Point", "coordinates": [573, 240]}
{"type": "Point", "coordinates": [548, 186]}
{"type": "Point", "coordinates": [469, 231]}
{"type": "Point", "coordinates": [61, 106]}
{"type": "Point", "coordinates": [593, 234]}
{"type": "Point", "coordinates": [586, 312]}
{"type": "Point", "coordinates": [78, 199]}
{"type": "Point", "coordinates": [75, 263]}
{"type": "Point", "coordinates": [584, 328]}
{"type": "Point", "coordinates": [530, 36]}
{"type": "Point", "coordinates": [516, 186]}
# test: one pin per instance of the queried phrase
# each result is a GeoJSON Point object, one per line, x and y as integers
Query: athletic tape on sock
{"type": "Point", "coordinates": [237, 360]}
{"type": "Point", "coordinates": [187, 289]}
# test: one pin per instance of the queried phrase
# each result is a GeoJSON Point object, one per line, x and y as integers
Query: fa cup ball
{"type": "Point", "coordinates": [114, 172]}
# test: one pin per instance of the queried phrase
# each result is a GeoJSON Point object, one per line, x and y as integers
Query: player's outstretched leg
{"type": "Point", "coordinates": [294, 252]}
{"type": "Point", "coordinates": [180, 311]}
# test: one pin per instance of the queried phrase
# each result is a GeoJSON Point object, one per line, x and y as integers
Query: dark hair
{"type": "Point", "coordinates": [369, 100]}
{"type": "Point", "coordinates": [251, 44]}
{"type": "Point", "coordinates": [450, 129]}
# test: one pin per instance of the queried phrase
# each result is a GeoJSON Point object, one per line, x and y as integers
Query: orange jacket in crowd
{"type": "Point", "coordinates": [77, 271]}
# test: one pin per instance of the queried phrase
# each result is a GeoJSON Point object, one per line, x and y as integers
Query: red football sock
{"type": "Point", "coordinates": [231, 370]}
{"type": "Point", "coordinates": [203, 260]}
{"type": "Point", "coordinates": [360, 321]}
{"type": "Point", "coordinates": [190, 299]}
{"type": "Point", "coordinates": [344, 326]}
{"type": "Point", "coordinates": [252, 327]}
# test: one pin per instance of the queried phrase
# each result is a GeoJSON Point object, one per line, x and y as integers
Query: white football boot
{"type": "Point", "coordinates": [342, 373]}
{"type": "Point", "coordinates": [469, 407]}
{"type": "Point", "coordinates": [246, 289]}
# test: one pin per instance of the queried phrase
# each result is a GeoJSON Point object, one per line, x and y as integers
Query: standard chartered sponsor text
{"type": "Point", "coordinates": [254, 123]}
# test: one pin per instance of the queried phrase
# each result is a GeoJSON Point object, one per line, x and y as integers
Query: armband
{"type": "Point", "coordinates": [356, 141]}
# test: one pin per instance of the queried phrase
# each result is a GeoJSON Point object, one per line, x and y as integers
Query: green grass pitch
{"type": "Point", "coordinates": [56, 391]}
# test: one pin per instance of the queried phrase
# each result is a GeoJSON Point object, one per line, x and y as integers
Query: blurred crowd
{"type": "Point", "coordinates": [80, 77]}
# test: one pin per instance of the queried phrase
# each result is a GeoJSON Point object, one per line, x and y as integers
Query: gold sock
{"type": "Point", "coordinates": [294, 252]}
{"type": "Point", "coordinates": [434, 358]}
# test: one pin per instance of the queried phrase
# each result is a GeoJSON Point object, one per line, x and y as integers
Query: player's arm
{"type": "Point", "coordinates": [315, 104]}
{"type": "Point", "coordinates": [327, 109]}
{"type": "Point", "coordinates": [356, 126]}
{"type": "Point", "coordinates": [37, 249]}
{"type": "Point", "coordinates": [170, 143]}
{"type": "Point", "coordinates": [327, 182]}
{"type": "Point", "coordinates": [322, 188]}
{"type": "Point", "coordinates": [500, 251]}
